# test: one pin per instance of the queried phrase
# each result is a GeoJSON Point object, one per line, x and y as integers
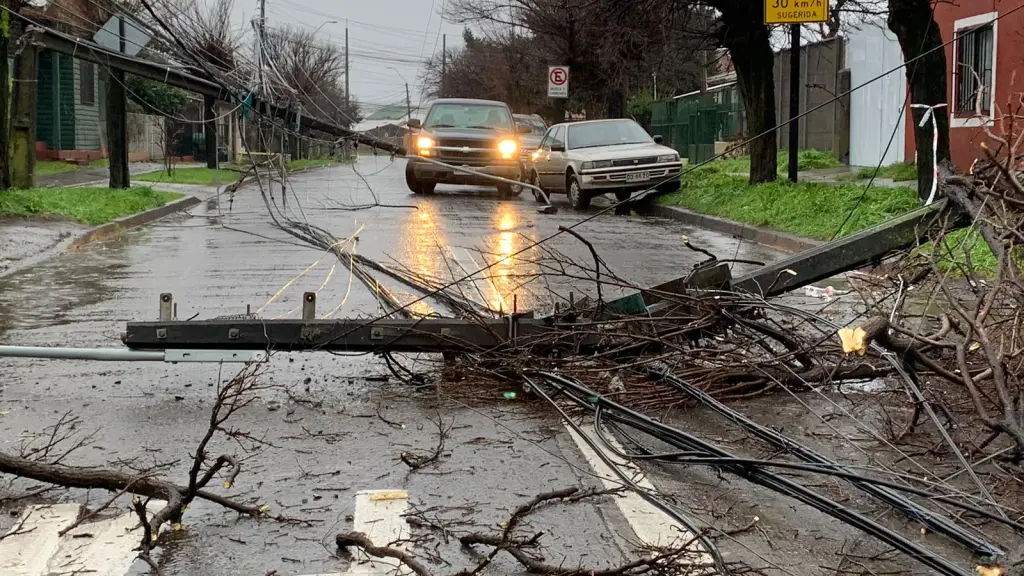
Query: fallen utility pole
{"type": "Point", "coordinates": [452, 334]}
{"type": "Point", "coordinates": [172, 76]}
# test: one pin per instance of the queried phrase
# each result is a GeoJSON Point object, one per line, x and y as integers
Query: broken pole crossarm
{"type": "Point", "coordinates": [343, 335]}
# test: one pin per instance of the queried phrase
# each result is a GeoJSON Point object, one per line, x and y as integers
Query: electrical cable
{"type": "Point", "coordinates": [935, 522]}
{"type": "Point", "coordinates": [679, 439]}
{"type": "Point", "coordinates": [709, 547]}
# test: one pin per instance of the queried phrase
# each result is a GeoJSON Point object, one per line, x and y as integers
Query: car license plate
{"type": "Point", "coordinates": [638, 177]}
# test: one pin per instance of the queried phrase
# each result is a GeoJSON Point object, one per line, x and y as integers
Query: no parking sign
{"type": "Point", "coordinates": [558, 81]}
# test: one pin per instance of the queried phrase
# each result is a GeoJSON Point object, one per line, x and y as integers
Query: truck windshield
{"type": "Point", "coordinates": [483, 116]}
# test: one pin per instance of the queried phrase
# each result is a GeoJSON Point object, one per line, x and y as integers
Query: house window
{"type": "Point", "coordinates": [87, 89]}
{"type": "Point", "coordinates": [974, 64]}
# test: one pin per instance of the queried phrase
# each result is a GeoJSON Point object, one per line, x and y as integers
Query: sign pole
{"type": "Point", "coordinates": [794, 100]}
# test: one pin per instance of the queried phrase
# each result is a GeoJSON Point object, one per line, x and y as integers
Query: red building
{"type": "Point", "coordinates": [984, 70]}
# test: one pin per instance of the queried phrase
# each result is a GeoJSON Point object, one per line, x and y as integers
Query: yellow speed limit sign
{"type": "Point", "coordinates": [795, 11]}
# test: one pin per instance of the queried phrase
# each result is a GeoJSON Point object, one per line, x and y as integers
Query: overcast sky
{"type": "Point", "coordinates": [387, 39]}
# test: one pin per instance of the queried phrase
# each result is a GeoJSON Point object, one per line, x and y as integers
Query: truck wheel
{"type": "Point", "coordinates": [427, 187]}
{"type": "Point", "coordinates": [509, 190]}
{"type": "Point", "coordinates": [623, 195]}
{"type": "Point", "coordinates": [410, 178]}
{"type": "Point", "coordinates": [578, 197]}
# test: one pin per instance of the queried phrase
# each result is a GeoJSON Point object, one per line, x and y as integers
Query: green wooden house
{"type": "Point", "coordinates": [69, 105]}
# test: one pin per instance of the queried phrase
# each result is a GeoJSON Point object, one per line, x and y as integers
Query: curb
{"type": "Point", "coordinates": [109, 229]}
{"type": "Point", "coordinates": [134, 221]}
{"type": "Point", "coordinates": [765, 236]}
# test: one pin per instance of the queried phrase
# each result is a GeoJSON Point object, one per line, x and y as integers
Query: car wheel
{"type": "Point", "coordinates": [578, 197]}
{"type": "Point", "coordinates": [623, 195]}
{"type": "Point", "coordinates": [410, 178]}
{"type": "Point", "coordinates": [668, 187]}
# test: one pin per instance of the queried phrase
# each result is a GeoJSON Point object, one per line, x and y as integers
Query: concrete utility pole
{"type": "Point", "coordinates": [444, 60]}
{"type": "Point", "coordinates": [263, 37]}
{"type": "Point", "coordinates": [23, 118]}
{"type": "Point", "coordinates": [117, 120]}
{"type": "Point", "coordinates": [408, 101]}
{"type": "Point", "coordinates": [210, 129]}
{"type": "Point", "coordinates": [348, 100]}
{"type": "Point", "coordinates": [794, 100]}
{"type": "Point", "coordinates": [655, 76]}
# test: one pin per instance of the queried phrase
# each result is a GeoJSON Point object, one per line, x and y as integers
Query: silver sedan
{"type": "Point", "coordinates": [594, 157]}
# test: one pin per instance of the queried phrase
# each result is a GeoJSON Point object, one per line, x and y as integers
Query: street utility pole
{"type": "Point", "coordinates": [262, 39]}
{"type": "Point", "coordinates": [348, 99]}
{"type": "Point", "coordinates": [444, 60]}
{"type": "Point", "coordinates": [794, 100]}
{"type": "Point", "coordinates": [408, 101]}
{"type": "Point", "coordinates": [117, 120]}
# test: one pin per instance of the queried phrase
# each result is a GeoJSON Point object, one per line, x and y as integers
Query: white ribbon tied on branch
{"type": "Point", "coordinates": [929, 114]}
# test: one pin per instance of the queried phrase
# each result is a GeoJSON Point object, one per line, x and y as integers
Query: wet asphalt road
{"type": "Point", "coordinates": [347, 433]}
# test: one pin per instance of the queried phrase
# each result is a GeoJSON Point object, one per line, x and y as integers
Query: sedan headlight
{"type": "Point", "coordinates": [423, 145]}
{"type": "Point", "coordinates": [668, 158]}
{"type": "Point", "coordinates": [508, 148]}
{"type": "Point", "coordinates": [596, 164]}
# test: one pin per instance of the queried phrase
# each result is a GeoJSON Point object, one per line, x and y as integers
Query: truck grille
{"type": "Point", "coordinates": [635, 161]}
{"type": "Point", "coordinates": [480, 152]}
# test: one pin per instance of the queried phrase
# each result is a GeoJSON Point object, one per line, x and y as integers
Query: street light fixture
{"type": "Point", "coordinates": [324, 24]}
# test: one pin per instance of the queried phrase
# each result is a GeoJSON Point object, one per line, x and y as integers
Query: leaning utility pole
{"type": "Point", "coordinates": [117, 119]}
{"type": "Point", "coordinates": [408, 101]}
{"type": "Point", "coordinates": [23, 117]}
{"type": "Point", "coordinates": [348, 100]}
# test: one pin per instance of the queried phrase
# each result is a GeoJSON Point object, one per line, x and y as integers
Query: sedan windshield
{"type": "Point", "coordinates": [483, 116]}
{"type": "Point", "coordinates": [537, 126]}
{"type": "Point", "coordinates": [591, 135]}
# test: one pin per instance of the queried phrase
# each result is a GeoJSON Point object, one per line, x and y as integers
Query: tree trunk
{"type": "Point", "coordinates": [5, 98]}
{"type": "Point", "coordinates": [747, 39]}
{"type": "Point", "coordinates": [912, 22]}
{"type": "Point", "coordinates": [23, 118]}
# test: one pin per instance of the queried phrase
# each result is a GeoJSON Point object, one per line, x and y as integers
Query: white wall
{"type": "Point", "coordinates": [875, 108]}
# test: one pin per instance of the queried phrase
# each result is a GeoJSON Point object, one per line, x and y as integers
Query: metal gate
{"type": "Point", "coordinates": [692, 124]}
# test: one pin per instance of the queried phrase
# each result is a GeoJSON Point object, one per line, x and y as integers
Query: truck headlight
{"type": "Point", "coordinates": [508, 148]}
{"type": "Point", "coordinates": [423, 145]}
{"type": "Point", "coordinates": [596, 164]}
{"type": "Point", "coordinates": [668, 158]}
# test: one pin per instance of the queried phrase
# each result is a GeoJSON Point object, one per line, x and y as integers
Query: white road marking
{"type": "Point", "coordinates": [33, 540]}
{"type": "Point", "coordinates": [39, 550]}
{"type": "Point", "coordinates": [379, 515]}
{"type": "Point", "coordinates": [651, 526]}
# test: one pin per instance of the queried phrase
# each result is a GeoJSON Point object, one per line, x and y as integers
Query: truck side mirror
{"type": "Point", "coordinates": [413, 123]}
{"type": "Point", "coordinates": [658, 139]}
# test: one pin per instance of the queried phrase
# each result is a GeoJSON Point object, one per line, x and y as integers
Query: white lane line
{"type": "Point", "coordinates": [28, 546]}
{"type": "Point", "coordinates": [380, 515]}
{"type": "Point", "coordinates": [651, 526]}
{"type": "Point", "coordinates": [102, 548]}
{"type": "Point", "coordinates": [108, 551]}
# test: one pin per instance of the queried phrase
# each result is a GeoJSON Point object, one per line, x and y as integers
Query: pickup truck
{"type": "Point", "coordinates": [477, 134]}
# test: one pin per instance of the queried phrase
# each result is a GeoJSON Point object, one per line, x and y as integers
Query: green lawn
{"type": "Point", "coordinates": [86, 205]}
{"type": "Point", "coordinates": [202, 176]}
{"type": "Point", "coordinates": [805, 160]}
{"type": "Point", "coordinates": [900, 172]}
{"type": "Point", "coordinates": [811, 209]}
{"type": "Point", "coordinates": [100, 163]}
{"type": "Point", "coordinates": [44, 167]}
{"type": "Point", "coordinates": [302, 164]}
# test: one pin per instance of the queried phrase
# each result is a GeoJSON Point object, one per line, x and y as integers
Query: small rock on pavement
{"type": "Point", "coordinates": [273, 405]}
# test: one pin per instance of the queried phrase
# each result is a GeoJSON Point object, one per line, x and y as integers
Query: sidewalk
{"type": "Point", "coordinates": [88, 174]}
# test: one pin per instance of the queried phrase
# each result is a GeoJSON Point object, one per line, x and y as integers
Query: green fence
{"type": "Point", "coordinates": [693, 124]}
